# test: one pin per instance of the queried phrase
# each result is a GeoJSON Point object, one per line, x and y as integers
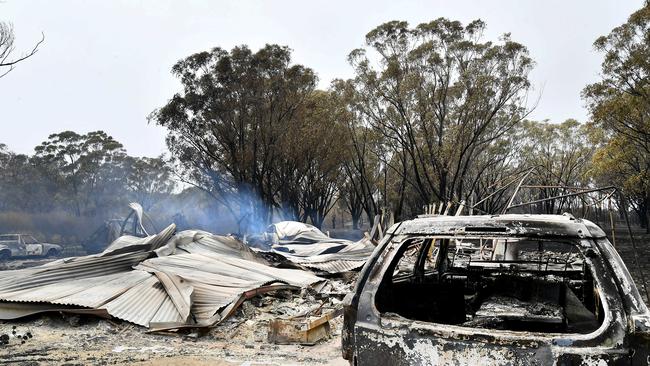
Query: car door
{"type": "Point", "coordinates": [11, 242]}
{"type": "Point", "coordinates": [32, 246]}
{"type": "Point", "coordinates": [21, 249]}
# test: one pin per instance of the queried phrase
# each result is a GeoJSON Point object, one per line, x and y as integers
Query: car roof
{"type": "Point", "coordinates": [500, 225]}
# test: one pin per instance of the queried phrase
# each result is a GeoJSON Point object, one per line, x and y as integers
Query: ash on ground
{"type": "Point", "coordinates": [61, 339]}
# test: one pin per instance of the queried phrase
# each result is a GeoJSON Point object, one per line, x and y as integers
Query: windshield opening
{"type": "Point", "coordinates": [8, 238]}
{"type": "Point", "coordinates": [503, 283]}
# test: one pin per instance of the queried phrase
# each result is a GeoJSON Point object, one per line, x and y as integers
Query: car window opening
{"type": "Point", "coordinates": [493, 283]}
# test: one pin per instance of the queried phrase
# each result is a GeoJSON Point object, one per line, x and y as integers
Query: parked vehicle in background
{"type": "Point", "coordinates": [495, 290]}
{"type": "Point", "coordinates": [25, 245]}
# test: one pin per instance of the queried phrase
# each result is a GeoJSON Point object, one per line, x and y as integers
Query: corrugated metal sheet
{"type": "Point", "coordinates": [140, 303]}
{"type": "Point", "coordinates": [197, 277]}
{"type": "Point", "coordinates": [197, 241]}
{"type": "Point", "coordinates": [328, 256]}
{"type": "Point", "coordinates": [131, 243]}
{"type": "Point", "coordinates": [220, 280]}
{"type": "Point", "coordinates": [292, 232]}
{"type": "Point", "coordinates": [333, 266]}
{"type": "Point", "coordinates": [89, 268]}
{"type": "Point", "coordinates": [179, 291]}
{"type": "Point", "coordinates": [56, 292]}
{"type": "Point", "coordinates": [167, 314]}
{"type": "Point", "coordinates": [98, 295]}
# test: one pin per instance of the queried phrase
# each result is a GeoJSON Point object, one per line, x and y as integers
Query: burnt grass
{"type": "Point", "coordinates": [623, 245]}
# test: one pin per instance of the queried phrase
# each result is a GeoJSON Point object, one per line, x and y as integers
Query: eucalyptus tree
{"type": "Point", "coordinates": [620, 105]}
{"type": "Point", "coordinates": [226, 124]}
{"type": "Point", "coordinates": [149, 180]}
{"type": "Point", "coordinates": [22, 187]}
{"type": "Point", "coordinates": [440, 95]}
{"type": "Point", "coordinates": [323, 154]}
{"type": "Point", "coordinates": [88, 170]}
{"type": "Point", "coordinates": [362, 164]}
{"type": "Point", "coordinates": [560, 156]}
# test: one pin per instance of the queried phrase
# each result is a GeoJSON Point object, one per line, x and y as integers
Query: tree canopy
{"type": "Point", "coordinates": [249, 129]}
{"type": "Point", "coordinates": [620, 106]}
{"type": "Point", "coordinates": [433, 114]}
{"type": "Point", "coordinates": [440, 95]}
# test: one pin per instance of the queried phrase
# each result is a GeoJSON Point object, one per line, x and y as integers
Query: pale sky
{"type": "Point", "coordinates": [105, 65]}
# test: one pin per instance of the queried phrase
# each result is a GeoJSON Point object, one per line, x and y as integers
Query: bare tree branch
{"type": "Point", "coordinates": [7, 48]}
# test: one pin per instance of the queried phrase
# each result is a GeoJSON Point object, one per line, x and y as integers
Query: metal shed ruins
{"type": "Point", "coordinates": [164, 281]}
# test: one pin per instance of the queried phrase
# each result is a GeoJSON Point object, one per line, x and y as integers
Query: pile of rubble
{"type": "Point", "coordinates": [195, 279]}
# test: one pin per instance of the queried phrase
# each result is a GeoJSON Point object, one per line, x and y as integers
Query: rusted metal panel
{"type": "Point", "coordinates": [302, 330]}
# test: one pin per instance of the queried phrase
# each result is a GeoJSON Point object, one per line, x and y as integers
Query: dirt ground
{"type": "Point", "coordinates": [623, 245]}
{"type": "Point", "coordinates": [240, 340]}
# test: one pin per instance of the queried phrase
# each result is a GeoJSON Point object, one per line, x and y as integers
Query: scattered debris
{"type": "Point", "coordinates": [466, 281]}
{"type": "Point", "coordinates": [190, 279]}
{"type": "Point", "coordinates": [15, 336]}
{"type": "Point", "coordinates": [307, 247]}
{"type": "Point", "coordinates": [307, 329]}
{"type": "Point", "coordinates": [166, 281]}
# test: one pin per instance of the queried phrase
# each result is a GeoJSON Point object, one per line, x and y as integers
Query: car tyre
{"type": "Point", "coordinates": [52, 253]}
{"type": "Point", "coordinates": [4, 255]}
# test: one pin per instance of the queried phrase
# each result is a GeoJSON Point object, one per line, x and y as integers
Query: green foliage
{"type": "Point", "coordinates": [84, 175]}
{"type": "Point", "coordinates": [249, 130]}
{"type": "Point", "coordinates": [620, 107]}
{"type": "Point", "coordinates": [149, 180]}
{"type": "Point", "coordinates": [88, 169]}
{"type": "Point", "coordinates": [441, 97]}
{"type": "Point", "coordinates": [560, 155]}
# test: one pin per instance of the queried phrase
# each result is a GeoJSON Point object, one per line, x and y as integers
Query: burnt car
{"type": "Point", "coordinates": [495, 290]}
{"type": "Point", "coordinates": [25, 245]}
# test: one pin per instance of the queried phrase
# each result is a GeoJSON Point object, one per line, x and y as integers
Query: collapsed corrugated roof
{"type": "Point", "coordinates": [201, 242]}
{"type": "Point", "coordinates": [330, 263]}
{"type": "Point", "coordinates": [196, 279]}
{"type": "Point", "coordinates": [307, 247]}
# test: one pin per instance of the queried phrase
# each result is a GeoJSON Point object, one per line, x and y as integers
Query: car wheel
{"type": "Point", "coordinates": [4, 255]}
{"type": "Point", "coordinates": [52, 253]}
